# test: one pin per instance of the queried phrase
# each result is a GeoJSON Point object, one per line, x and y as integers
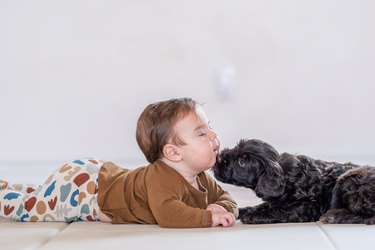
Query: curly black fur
{"type": "Point", "coordinates": [297, 188]}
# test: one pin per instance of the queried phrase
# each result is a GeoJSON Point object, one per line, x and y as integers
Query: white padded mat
{"type": "Point", "coordinates": [96, 235]}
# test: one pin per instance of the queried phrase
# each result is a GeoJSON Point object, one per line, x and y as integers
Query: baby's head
{"type": "Point", "coordinates": [155, 125]}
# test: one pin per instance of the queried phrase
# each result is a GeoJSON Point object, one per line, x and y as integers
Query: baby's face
{"type": "Point", "coordinates": [201, 142]}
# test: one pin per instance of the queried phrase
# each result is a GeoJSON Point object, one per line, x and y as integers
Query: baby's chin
{"type": "Point", "coordinates": [212, 164]}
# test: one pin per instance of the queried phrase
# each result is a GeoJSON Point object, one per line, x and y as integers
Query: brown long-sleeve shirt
{"type": "Point", "coordinates": [157, 194]}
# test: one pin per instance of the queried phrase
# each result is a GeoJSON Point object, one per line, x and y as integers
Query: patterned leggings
{"type": "Point", "coordinates": [69, 194]}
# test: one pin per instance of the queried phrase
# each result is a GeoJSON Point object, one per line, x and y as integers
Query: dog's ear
{"type": "Point", "coordinates": [271, 183]}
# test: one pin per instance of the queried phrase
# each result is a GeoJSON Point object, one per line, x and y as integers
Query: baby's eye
{"type": "Point", "coordinates": [202, 132]}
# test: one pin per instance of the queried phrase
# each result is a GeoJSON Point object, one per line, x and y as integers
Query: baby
{"type": "Point", "coordinates": [173, 191]}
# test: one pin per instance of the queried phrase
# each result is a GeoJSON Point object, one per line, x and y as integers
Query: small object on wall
{"type": "Point", "coordinates": [225, 83]}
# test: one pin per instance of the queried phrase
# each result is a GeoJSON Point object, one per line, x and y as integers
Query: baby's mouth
{"type": "Point", "coordinates": [216, 149]}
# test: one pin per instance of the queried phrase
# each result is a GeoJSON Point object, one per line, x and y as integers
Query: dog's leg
{"type": "Point", "coordinates": [353, 198]}
{"type": "Point", "coordinates": [256, 215]}
{"type": "Point", "coordinates": [265, 213]}
{"type": "Point", "coordinates": [343, 216]}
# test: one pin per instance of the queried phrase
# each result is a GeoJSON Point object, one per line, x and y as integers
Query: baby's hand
{"type": "Point", "coordinates": [221, 218]}
{"type": "Point", "coordinates": [216, 208]}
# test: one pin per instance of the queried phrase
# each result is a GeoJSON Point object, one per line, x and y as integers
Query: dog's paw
{"type": "Point", "coordinates": [330, 217]}
{"type": "Point", "coordinates": [246, 214]}
{"type": "Point", "coordinates": [327, 219]}
{"type": "Point", "coordinates": [241, 212]}
{"type": "Point", "coordinates": [247, 219]}
{"type": "Point", "coordinates": [343, 216]}
{"type": "Point", "coordinates": [245, 210]}
{"type": "Point", "coordinates": [370, 221]}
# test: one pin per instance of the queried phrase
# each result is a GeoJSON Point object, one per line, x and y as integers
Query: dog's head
{"type": "Point", "coordinates": [253, 164]}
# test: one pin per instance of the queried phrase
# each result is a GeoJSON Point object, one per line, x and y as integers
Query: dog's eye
{"type": "Point", "coordinates": [241, 162]}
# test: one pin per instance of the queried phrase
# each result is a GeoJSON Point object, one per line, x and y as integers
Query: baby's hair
{"type": "Point", "coordinates": [155, 125]}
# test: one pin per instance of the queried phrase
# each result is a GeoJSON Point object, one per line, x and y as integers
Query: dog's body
{"type": "Point", "coordinates": [297, 188]}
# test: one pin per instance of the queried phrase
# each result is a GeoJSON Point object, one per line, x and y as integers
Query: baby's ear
{"type": "Point", "coordinates": [171, 152]}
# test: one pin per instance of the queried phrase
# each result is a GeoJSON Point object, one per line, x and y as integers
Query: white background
{"type": "Point", "coordinates": [75, 75]}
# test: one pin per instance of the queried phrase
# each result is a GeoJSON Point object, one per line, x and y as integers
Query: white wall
{"type": "Point", "coordinates": [75, 75]}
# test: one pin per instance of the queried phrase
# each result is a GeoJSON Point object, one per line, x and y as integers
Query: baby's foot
{"type": "Point", "coordinates": [3, 184]}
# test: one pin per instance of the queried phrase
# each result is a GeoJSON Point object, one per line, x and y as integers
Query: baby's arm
{"type": "Point", "coordinates": [174, 213]}
{"type": "Point", "coordinates": [220, 198]}
{"type": "Point", "coordinates": [216, 208]}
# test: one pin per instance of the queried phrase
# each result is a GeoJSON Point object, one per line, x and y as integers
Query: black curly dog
{"type": "Point", "coordinates": [297, 188]}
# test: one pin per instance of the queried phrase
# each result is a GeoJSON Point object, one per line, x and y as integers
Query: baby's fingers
{"type": "Point", "coordinates": [223, 221]}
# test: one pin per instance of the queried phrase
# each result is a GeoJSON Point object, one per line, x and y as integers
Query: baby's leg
{"type": "Point", "coordinates": [69, 194]}
{"type": "Point", "coordinates": [11, 198]}
{"type": "Point", "coordinates": [22, 188]}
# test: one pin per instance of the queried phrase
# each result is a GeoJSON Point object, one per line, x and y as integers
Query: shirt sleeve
{"type": "Point", "coordinates": [219, 196]}
{"type": "Point", "coordinates": [165, 201]}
